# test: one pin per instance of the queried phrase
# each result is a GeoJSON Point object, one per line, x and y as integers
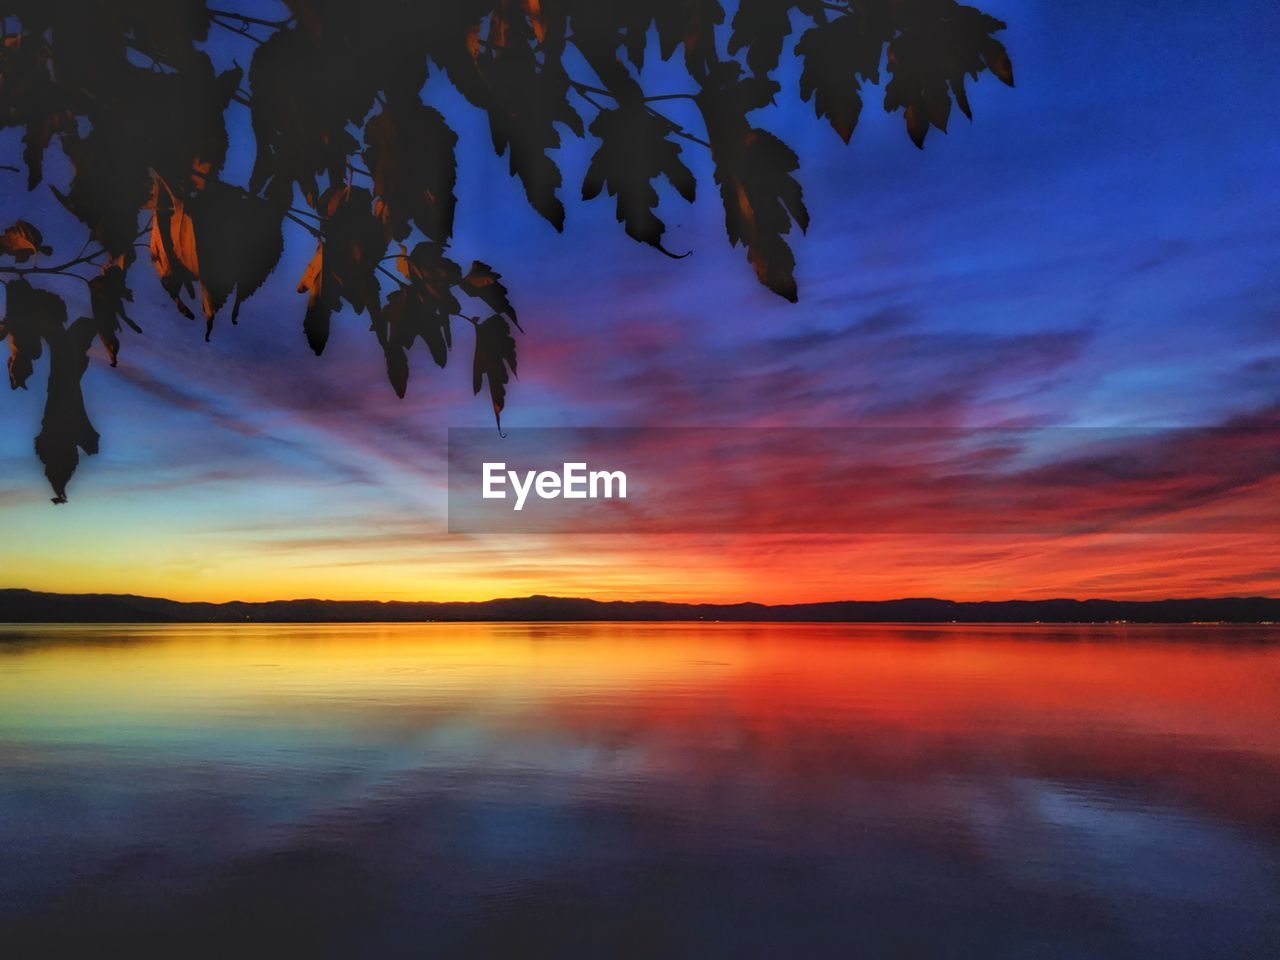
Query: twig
{"type": "Point", "coordinates": [587, 92]}
{"type": "Point", "coordinates": [63, 269]}
{"type": "Point", "coordinates": [314, 231]}
{"type": "Point", "coordinates": [244, 18]}
{"type": "Point", "coordinates": [384, 270]}
{"type": "Point", "coordinates": [680, 131]}
{"type": "Point", "coordinates": [587, 88]}
{"type": "Point", "coordinates": [60, 268]}
{"type": "Point", "coordinates": [242, 30]}
{"type": "Point", "coordinates": [45, 272]}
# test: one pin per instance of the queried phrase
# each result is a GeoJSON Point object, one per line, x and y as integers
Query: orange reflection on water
{"type": "Point", "coordinates": [930, 676]}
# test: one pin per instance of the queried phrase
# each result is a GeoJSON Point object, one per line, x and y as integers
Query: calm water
{"type": "Point", "coordinates": [649, 791]}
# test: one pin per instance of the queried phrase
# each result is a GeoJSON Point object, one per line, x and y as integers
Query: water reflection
{"type": "Point", "coordinates": [641, 790]}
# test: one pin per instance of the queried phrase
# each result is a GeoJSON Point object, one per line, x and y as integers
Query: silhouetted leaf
{"type": "Point", "coordinates": [165, 30]}
{"type": "Point", "coordinates": [65, 428]}
{"type": "Point", "coordinates": [32, 316]}
{"type": "Point", "coordinates": [412, 312]}
{"type": "Point", "coordinates": [40, 132]}
{"type": "Point", "coordinates": [304, 95]}
{"type": "Point", "coordinates": [22, 241]}
{"type": "Point", "coordinates": [170, 125]}
{"type": "Point", "coordinates": [344, 265]}
{"type": "Point", "coordinates": [238, 243]}
{"type": "Point", "coordinates": [428, 267]}
{"type": "Point", "coordinates": [762, 26]}
{"type": "Point", "coordinates": [410, 153]}
{"type": "Point", "coordinates": [30, 98]}
{"type": "Point", "coordinates": [29, 313]}
{"type": "Point", "coordinates": [223, 238]}
{"type": "Point", "coordinates": [421, 309]}
{"type": "Point", "coordinates": [107, 297]}
{"type": "Point", "coordinates": [495, 354]}
{"type": "Point", "coordinates": [382, 48]}
{"type": "Point", "coordinates": [172, 238]}
{"type": "Point", "coordinates": [485, 284]}
{"type": "Point", "coordinates": [625, 24]}
{"type": "Point", "coordinates": [321, 302]}
{"type": "Point", "coordinates": [425, 306]}
{"type": "Point", "coordinates": [691, 24]}
{"type": "Point", "coordinates": [937, 45]}
{"type": "Point", "coordinates": [635, 149]}
{"type": "Point", "coordinates": [838, 57]}
{"type": "Point", "coordinates": [525, 98]}
{"type": "Point", "coordinates": [395, 343]}
{"type": "Point", "coordinates": [753, 169]}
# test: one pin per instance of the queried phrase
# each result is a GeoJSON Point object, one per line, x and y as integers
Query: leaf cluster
{"type": "Point", "coordinates": [347, 149]}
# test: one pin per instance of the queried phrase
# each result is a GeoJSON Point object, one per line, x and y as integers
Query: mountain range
{"type": "Point", "coordinates": [27, 606]}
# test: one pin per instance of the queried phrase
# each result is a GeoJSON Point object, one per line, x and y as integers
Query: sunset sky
{"type": "Point", "coordinates": [1099, 248]}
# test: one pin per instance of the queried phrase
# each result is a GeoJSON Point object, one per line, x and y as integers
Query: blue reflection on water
{"type": "Point", "coordinates": [660, 790]}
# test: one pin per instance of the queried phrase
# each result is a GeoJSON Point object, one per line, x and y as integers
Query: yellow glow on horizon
{"type": "Point", "coordinates": [73, 551]}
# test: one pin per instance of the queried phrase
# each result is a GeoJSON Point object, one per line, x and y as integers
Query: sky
{"type": "Point", "coordinates": [1098, 248]}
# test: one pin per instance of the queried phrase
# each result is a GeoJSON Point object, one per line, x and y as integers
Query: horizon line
{"type": "Point", "coordinates": [20, 605]}
{"type": "Point", "coordinates": [919, 598]}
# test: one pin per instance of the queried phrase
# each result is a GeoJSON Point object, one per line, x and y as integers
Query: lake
{"type": "Point", "coordinates": [640, 790]}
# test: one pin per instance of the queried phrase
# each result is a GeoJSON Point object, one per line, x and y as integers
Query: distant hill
{"type": "Point", "coordinates": [27, 606]}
